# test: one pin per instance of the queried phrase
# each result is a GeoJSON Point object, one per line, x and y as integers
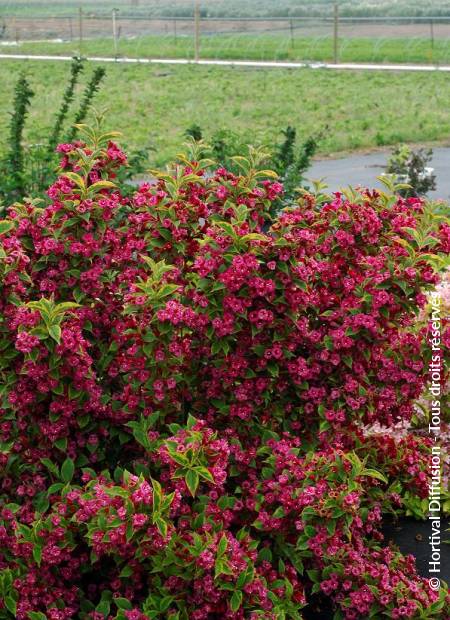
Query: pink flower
{"type": "Point", "coordinates": [26, 342]}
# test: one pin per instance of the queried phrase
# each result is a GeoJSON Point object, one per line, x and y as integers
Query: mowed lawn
{"type": "Point", "coordinates": [153, 105]}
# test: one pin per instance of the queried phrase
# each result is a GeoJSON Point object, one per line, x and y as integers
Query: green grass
{"type": "Point", "coordinates": [154, 105]}
{"type": "Point", "coordinates": [257, 47]}
{"type": "Point", "coordinates": [235, 8]}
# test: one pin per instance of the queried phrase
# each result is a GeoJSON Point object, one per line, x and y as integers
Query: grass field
{"type": "Point", "coordinates": [154, 105]}
{"type": "Point", "coordinates": [236, 8]}
{"type": "Point", "coordinates": [258, 47]}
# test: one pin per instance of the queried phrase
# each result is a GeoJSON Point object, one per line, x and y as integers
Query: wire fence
{"type": "Point", "coordinates": [328, 38]}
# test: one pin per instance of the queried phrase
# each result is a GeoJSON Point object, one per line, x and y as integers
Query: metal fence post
{"type": "Point", "coordinates": [70, 29]}
{"type": "Point", "coordinates": [432, 38]}
{"type": "Point", "coordinates": [114, 29]}
{"type": "Point", "coordinates": [80, 25]}
{"type": "Point", "coordinates": [336, 34]}
{"type": "Point", "coordinates": [16, 31]}
{"type": "Point", "coordinates": [197, 30]}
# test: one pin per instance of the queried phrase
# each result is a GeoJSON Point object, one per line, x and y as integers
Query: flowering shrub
{"type": "Point", "coordinates": [185, 384]}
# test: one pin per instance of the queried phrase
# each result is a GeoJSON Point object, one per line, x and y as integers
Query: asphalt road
{"type": "Point", "coordinates": [364, 169]}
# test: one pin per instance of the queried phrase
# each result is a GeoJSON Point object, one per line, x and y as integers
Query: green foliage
{"type": "Point", "coordinates": [14, 181]}
{"type": "Point", "coordinates": [30, 168]}
{"type": "Point", "coordinates": [86, 101]}
{"type": "Point", "coordinates": [52, 316]}
{"type": "Point", "coordinates": [194, 132]}
{"type": "Point", "coordinates": [238, 8]}
{"type": "Point", "coordinates": [289, 159]}
{"type": "Point", "coordinates": [75, 70]}
{"type": "Point", "coordinates": [412, 168]}
{"type": "Point", "coordinates": [221, 146]}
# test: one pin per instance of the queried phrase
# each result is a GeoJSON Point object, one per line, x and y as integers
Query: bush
{"type": "Point", "coordinates": [184, 384]}
{"type": "Point", "coordinates": [412, 168]}
{"type": "Point", "coordinates": [288, 159]}
{"type": "Point", "coordinates": [29, 169]}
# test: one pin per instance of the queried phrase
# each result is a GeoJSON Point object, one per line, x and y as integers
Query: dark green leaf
{"type": "Point", "coordinates": [67, 470]}
{"type": "Point", "coordinates": [11, 605]}
{"type": "Point", "coordinates": [123, 603]}
{"type": "Point", "coordinates": [236, 600]}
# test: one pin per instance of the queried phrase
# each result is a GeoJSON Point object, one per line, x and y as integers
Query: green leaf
{"type": "Point", "coordinates": [83, 420]}
{"type": "Point", "coordinates": [37, 554]}
{"type": "Point", "coordinates": [157, 495]}
{"type": "Point", "coordinates": [225, 502]}
{"type": "Point", "coordinates": [219, 568]}
{"type": "Point", "coordinates": [122, 603]}
{"type": "Point", "coordinates": [78, 295]}
{"type": "Point", "coordinates": [265, 554]}
{"type": "Point", "coordinates": [373, 473]}
{"type": "Point", "coordinates": [52, 468]}
{"type": "Point", "coordinates": [55, 333]}
{"type": "Point", "coordinates": [315, 588]}
{"type": "Point", "coordinates": [41, 502]}
{"type": "Point", "coordinates": [192, 480]}
{"type": "Point", "coordinates": [236, 600]}
{"type": "Point", "coordinates": [191, 421]}
{"type": "Point", "coordinates": [5, 226]}
{"type": "Point", "coordinates": [222, 546]}
{"type": "Point", "coordinates": [206, 474]}
{"type": "Point", "coordinates": [66, 305]}
{"type": "Point", "coordinates": [310, 531]}
{"type": "Point", "coordinates": [348, 360]}
{"type": "Point", "coordinates": [324, 426]}
{"type": "Point", "coordinates": [11, 605]}
{"type": "Point", "coordinates": [126, 571]}
{"type": "Point", "coordinates": [279, 513]}
{"type": "Point", "coordinates": [36, 615]}
{"type": "Point", "coordinates": [165, 603]}
{"type": "Point", "coordinates": [67, 470]}
{"type": "Point", "coordinates": [328, 342]}
{"type": "Point", "coordinates": [54, 488]}
{"type": "Point", "coordinates": [103, 608]}
{"type": "Point", "coordinates": [100, 185]}
{"type": "Point", "coordinates": [162, 526]}
{"type": "Point", "coordinates": [313, 575]}
{"type": "Point", "coordinates": [245, 577]}
{"type": "Point", "coordinates": [59, 387]}
{"type": "Point", "coordinates": [331, 527]}
{"type": "Point", "coordinates": [362, 390]}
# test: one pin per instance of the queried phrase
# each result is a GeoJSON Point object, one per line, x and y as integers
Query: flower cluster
{"type": "Point", "coordinates": [189, 392]}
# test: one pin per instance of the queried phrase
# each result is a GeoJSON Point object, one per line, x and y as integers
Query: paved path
{"type": "Point", "coordinates": [364, 170]}
{"type": "Point", "coordinates": [262, 64]}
